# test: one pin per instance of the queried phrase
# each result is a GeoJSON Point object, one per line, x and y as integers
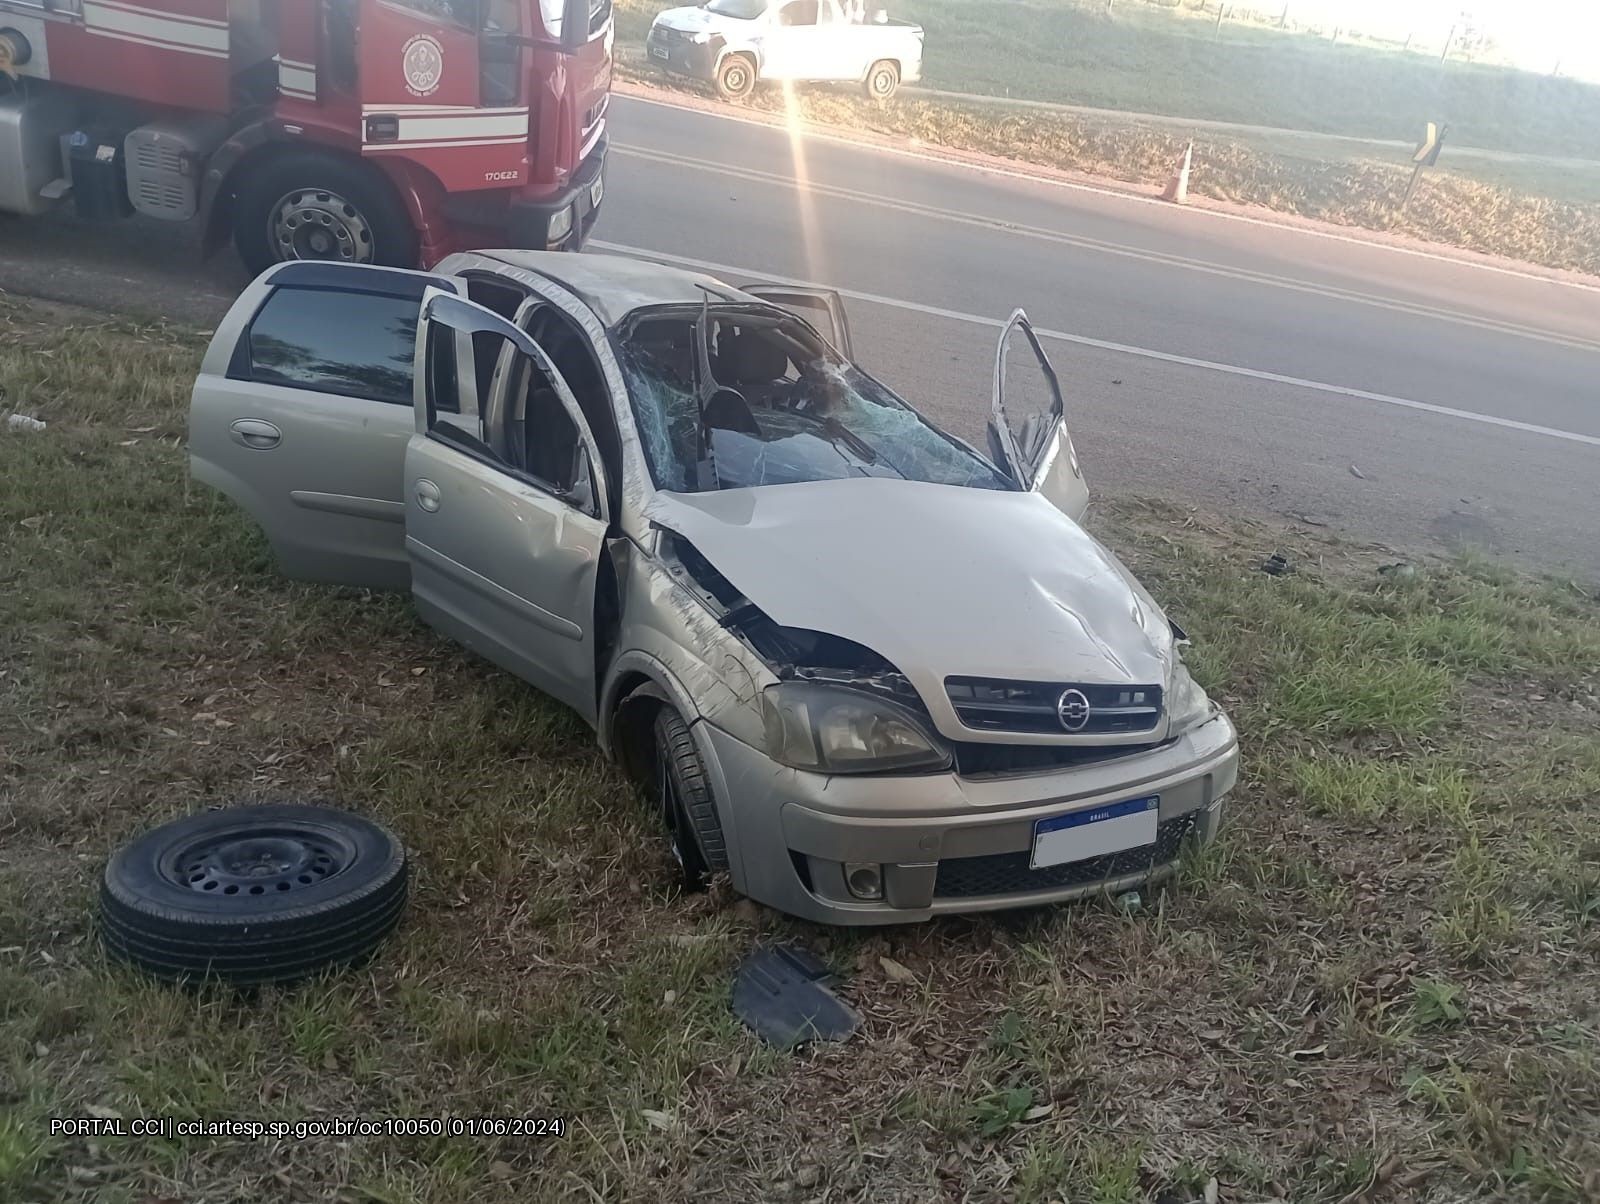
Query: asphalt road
{"type": "Point", "coordinates": [1406, 398]}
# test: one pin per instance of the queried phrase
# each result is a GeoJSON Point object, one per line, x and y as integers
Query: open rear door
{"type": "Point", "coordinates": [1028, 432]}
{"type": "Point", "coordinates": [822, 307]}
{"type": "Point", "coordinates": [302, 411]}
{"type": "Point", "coordinates": [443, 87]}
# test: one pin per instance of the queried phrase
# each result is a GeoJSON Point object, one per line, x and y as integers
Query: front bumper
{"type": "Point", "coordinates": [947, 844]}
{"type": "Point", "coordinates": [673, 52]}
{"type": "Point", "coordinates": [528, 222]}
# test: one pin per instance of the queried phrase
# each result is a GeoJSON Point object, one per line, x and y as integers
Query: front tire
{"type": "Point", "coordinates": [736, 77]}
{"type": "Point", "coordinates": [313, 205]}
{"type": "Point", "coordinates": [883, 80]}
{"type": "Point", "coordinates": [683, 795]}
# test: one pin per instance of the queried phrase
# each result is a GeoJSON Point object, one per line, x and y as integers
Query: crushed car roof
{"type": "Point", "coordinates": [614, 285]}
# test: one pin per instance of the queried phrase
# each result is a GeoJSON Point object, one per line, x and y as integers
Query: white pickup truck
{"type": "Point", "coordinates": [736, 43]}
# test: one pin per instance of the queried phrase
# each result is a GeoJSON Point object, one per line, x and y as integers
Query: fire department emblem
{"type": "Point", "coordinates": [422, 60]}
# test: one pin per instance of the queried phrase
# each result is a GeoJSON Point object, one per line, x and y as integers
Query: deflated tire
{"type": "Point", "coordinates": [253, 895]}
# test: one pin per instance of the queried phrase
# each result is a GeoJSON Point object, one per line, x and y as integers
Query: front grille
{"type": "Point", "coordinates": [1009, 873]}
{"type": "Point", "coordinates": [667, 36]}
{"type": "Point", "coordinates": [990, 704]}
{"type": "Point", "coordinates": [974, 760]}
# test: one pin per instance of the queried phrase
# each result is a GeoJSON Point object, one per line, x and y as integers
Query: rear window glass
{"type": "Point", "coordinates": [355, 344]}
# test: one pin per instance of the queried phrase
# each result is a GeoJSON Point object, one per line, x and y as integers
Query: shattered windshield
{"type": "Point", "coordinates": [778, 407]}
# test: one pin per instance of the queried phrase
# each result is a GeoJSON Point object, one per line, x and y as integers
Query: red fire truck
{"type": "Point", "coordinates": [372, 131]}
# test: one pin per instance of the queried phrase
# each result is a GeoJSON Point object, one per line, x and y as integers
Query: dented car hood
{"type": "Point", "coordinates": [940, 580]}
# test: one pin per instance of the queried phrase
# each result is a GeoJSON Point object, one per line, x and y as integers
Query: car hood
{"type": "Point", "coordinates": [693, 20]}
{"type": "Point", "coordinates": [941, 580]}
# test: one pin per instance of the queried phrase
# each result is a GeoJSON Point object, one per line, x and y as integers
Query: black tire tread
{"type": "Point", "coordinates": [674, 737]}
{"type": "Point", "coordinates": [224, 949]}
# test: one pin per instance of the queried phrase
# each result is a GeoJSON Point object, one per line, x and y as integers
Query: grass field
{"type": "Point", "coordinates": [1381, 984]}
{"type": "Point", "coordinates": [1143, 59]}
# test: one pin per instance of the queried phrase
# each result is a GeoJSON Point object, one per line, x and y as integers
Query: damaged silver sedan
{"type": "Point", "coordinates": [870, 672]}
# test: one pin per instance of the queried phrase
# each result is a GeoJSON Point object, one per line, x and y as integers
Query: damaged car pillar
{"type": "Point", "coordinates": [679, 508]}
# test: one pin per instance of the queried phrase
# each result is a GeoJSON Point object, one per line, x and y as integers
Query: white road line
{"type": "Point", "coordinates": [1104, 345]}
{"type": "Point", "coordinates": [819, 135]}
{"type": "Point", "coordinates": [1123, 250]}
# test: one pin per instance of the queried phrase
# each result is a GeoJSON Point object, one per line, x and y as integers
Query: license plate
{"type": "Point", "coordinates": [660, 52]}
{"type": "Point", "coordinates": [1095, 832]}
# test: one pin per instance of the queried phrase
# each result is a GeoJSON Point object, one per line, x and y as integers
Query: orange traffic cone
{"type": "Point", "coordinates": [1177, 190]}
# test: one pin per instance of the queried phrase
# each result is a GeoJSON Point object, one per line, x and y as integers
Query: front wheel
{"type": "Point", "coordinates": [883, 80]}
{"type": "Point", "coordinates": [736, 77]}
{"type": "Point", "coordinates": [311, 205]}
{"type": "Point", "coordinates": [683, 794]}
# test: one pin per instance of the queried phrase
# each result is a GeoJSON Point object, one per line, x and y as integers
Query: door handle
{"type": "Point", "coordinates": [427, 494]}
{"type": "Point", "coordinates": [253, 433]}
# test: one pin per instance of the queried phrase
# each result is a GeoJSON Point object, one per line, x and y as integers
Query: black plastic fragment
{"type": "Point", "coordinates": [1276, 565]}
{"type": "Point", "coordinates": [780, 992]}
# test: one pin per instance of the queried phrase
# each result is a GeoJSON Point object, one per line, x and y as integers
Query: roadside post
{"type": "Point", "coordinates": [1427, 154]}
{"type": "Point", "coordinates": [1177, 190]}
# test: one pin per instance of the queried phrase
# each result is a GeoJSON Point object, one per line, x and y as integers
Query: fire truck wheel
{"type": "Point", "coordinates": [308, 205]}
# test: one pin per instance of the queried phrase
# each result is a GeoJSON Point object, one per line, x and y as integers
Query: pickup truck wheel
{"type": "Point", "coordinates": [253, 895]}
{"type": "Point", "coordinates": [883, 79]}
{"type": "Point", "coordinates": [310, 205]}
{"type": "Point", "coordinates": [736, 77]}
{"type": "Point", "coordinates": [683, 794]}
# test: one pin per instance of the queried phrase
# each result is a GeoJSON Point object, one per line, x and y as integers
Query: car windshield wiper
{"type": "Point", "coordinates": [840, 433]}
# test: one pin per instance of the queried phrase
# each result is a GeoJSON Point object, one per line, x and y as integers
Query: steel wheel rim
{"type": "Point", "coordinates": [736, 79]}
{"type": "Point", "coordinates": [880, 83]}
{"type": "Point", "coordinates": [314, 223]}
{"type": "Point", "coordinates": [270, 860]}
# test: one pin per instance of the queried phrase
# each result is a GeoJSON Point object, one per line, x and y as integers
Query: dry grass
{"type": "Point", "coordinates": [1380, 985]}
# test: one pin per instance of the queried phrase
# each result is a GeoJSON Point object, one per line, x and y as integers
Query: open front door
{"type": "Point", "coordinates": [505, 504]}
{"type": "Point", "coordinates": [1028, 433]}
{"type": "Point", "coordinates": [822, 307]}
{"type": "Point", "coordinates": [442, 84]}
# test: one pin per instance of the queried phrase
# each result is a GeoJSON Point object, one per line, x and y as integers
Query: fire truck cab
{"type": "Point", "coordinates": [367, 131]}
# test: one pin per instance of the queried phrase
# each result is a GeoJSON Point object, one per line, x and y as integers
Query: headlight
{"type": "Point", "coordinates": [843, 731]}
{"type": "Point", "coordinates": [1187, 703]}
{"type": "Point", "coordinates": [701, 38]}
